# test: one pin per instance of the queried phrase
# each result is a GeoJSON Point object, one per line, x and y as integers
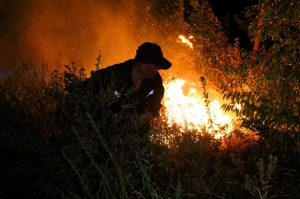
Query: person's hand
{"type": "Point", "coordinates": [145, 119]}
{"type": "Point", "coordinates": [148, 117]}
{"type": "Point", "coordinates": [141, 121]}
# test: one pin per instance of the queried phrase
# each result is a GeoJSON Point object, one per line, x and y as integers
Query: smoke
{"type": "Point", "coordinates": [71, 31]}
{"type": "Point", "coordinates": [77, 31]}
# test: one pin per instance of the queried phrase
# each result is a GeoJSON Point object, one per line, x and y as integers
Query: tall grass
{"type": "Point", "coordinates": [59, 141]}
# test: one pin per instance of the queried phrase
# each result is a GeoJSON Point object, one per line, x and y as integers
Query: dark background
{"type": "Point", "coordinates": [225, 10]}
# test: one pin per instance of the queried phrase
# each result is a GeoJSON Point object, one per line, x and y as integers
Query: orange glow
{"type": "Point", "coordinates": [186, 41]}
{"type": "Point", "coordinates": [188, 110]}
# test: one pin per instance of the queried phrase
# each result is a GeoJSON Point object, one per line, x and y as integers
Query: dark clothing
{"type": "Point", "coordinates": [119, 78]}
{"type": "Point", "coordinates": [125, 141]}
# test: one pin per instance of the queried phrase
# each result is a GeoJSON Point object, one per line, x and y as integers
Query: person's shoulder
{"type": "Point", "coordinates": [121, 66]}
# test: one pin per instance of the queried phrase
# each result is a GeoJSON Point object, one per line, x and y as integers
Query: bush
{"type": "Point", "coordinates": [58, 140]}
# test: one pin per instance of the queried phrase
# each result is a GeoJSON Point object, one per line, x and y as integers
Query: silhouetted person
{"type": "Point", "coordinates": [134, 90]}
{"type": "Point", "coordinates": [135, 81]}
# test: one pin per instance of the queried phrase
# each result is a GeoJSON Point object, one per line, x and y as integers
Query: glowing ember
{"type": "Point", "coordinates": [186, 41]}
{"type": "Point", "coordinates": [190, 111]}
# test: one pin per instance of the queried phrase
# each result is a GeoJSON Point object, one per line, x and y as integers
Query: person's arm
{"type": "Point", "coordinates": [154, 102]}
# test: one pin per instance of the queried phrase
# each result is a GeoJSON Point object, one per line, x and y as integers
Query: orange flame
{"type": "Point", "coordinates": [186, 41]}
{"type": "Point", "coordinates": [190, 111]}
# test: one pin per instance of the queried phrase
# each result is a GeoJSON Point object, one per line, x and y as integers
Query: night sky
{"type": "Point", "coordinates": [40, 30]}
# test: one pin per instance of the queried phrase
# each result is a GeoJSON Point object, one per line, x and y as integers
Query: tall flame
{"type": "Point", "coordinates": [190, 110]}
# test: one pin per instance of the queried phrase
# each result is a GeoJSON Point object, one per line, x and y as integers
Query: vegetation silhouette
{"type": "Point", "coordinates": [55, 144]}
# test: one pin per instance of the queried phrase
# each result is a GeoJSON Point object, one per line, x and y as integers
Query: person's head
{"type": "Point", "coordinates": [151, 59]}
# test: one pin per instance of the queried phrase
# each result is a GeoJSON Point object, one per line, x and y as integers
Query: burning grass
{"type": "Point", "coordinates": [190, 109]}
{"type": "Point", "coordinates": [72, 159]}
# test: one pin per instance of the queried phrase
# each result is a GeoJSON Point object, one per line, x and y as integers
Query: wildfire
{"type": "Point", "coordinates": [190, 110]}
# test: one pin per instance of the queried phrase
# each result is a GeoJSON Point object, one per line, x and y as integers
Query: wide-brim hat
{"type": "Point", "coordinates": [151, 53]}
